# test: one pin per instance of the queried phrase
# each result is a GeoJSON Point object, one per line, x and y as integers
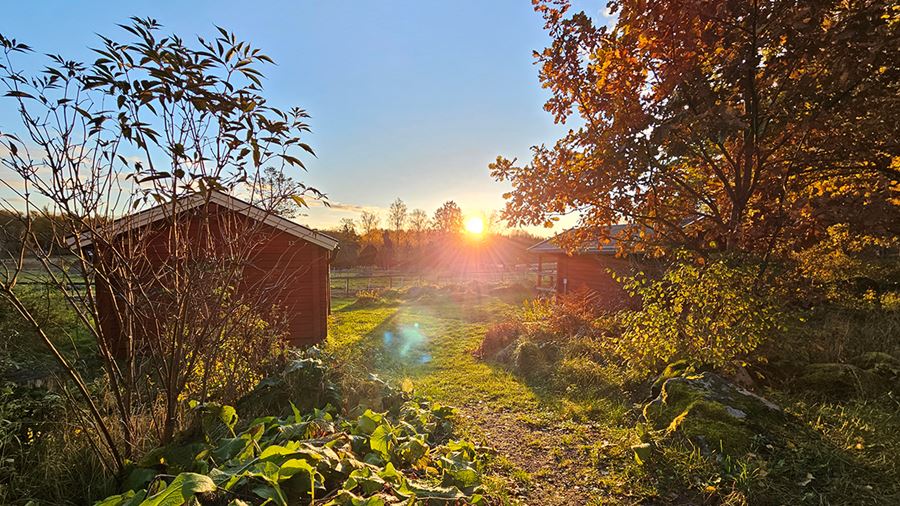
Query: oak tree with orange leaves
{"type": "Point", "coordinates": [720, 125]}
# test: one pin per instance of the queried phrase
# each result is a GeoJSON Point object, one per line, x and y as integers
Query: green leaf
{"type": "Point", "coordinates": [298, 417]}
{"type": "Point", "coordinates": [413, 450]}
{"type": "Point", "coordinates": [138, 478]}
{"type": "Point", "coordinates": [294, 466]}
{"type": "Point", "coordinates": [271, 492]}
{"type": "Point", "coordinates": [229, 448]}
{"type": "Point", "coordinates": [421, 489]}
{"type": "Point", "coordinates": [181, 490]}
{"type": "Point", "coordinates": [369, 421]}
{"type": "Point", "coordinates": [130, 498]}
{"type": "Point", "coordinates": [382, 440]}
{"type": "Point", "coordinates": [367, 481]}
{"type": "Point", "coordinates": [273, 451]}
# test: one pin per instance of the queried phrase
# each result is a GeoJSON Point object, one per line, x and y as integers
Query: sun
{"type": "Point", "coordinates": [475, 225]}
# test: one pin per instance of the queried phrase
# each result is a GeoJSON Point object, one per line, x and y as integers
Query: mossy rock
{"type": "Point", "coordinates": [842, 380]}
{"type": "Point", "coordinates": [711, 411]}
{"type": "Point", "coordinates": [879, 363]}
{"type": "Point", "coordinates": [673, 370]}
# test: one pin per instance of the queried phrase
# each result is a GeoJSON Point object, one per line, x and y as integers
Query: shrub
{"type": "Point", "coordinates": [565, 316]}
{"type": "Point", "coordinates": [499, 336]}
{"type": "Point", "coordinates": [847, 266]}
{"type": "Point", "coordinates": [365, 298]}
{"type": "Point", "coordinates": [249, 349]}
{"type": "Point", "coordinates": [703, 312]}
{"type": "Point", "coordinates": [583, 377]}
{"type": "Point", "coordinates": [529, 359]}
{"type": "Point", "coordinates": [312, 457]}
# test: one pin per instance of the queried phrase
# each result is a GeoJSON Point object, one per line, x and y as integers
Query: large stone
{"type": "Point", "coordinates": [870, 373]}
{"type": "Point", "coordinates": [879, 363]}
{"type": "Point", "coordinates": [709, 410]}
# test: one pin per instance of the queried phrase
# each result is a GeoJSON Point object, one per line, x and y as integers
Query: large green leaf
{"type": "Point", "coordinates": [369, 421]}
{"type": "Point", "coordinates": [138, 478]}
{"type": "Point", "coordinates": [382, 440]}
{"type": "Point", "coordinates": [130, 498]}
{"type": "Point", "coordinates": [367, 481]}
{"type": "Point", "coordinates": [181, 490]}
{"type": "Point", "coordinates": [294, 466]}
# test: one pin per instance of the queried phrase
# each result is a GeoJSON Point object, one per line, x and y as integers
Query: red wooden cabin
{"type": "Point", "coordinates": [588, 268]}
{"type": "Point", "coordinates": [285, 261]}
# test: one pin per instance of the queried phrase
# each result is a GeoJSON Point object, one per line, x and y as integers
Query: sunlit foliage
{"type": "Point", "coordinates": [704, 312]}
{"type": "Point", "coordinates": [711, 122]}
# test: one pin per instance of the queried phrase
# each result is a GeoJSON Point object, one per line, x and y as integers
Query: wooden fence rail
{"type": "Point", "coordinates": [351, 284]}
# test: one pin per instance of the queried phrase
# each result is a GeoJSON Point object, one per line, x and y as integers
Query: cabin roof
{"type": "Point", "coordinates": [589, 247]}
{"type": "Point", "coordinates": [194, 200]}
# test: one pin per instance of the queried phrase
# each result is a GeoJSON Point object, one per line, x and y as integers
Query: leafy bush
{"type": "Point", "coordinates": [249, 349]}
{"type": "Point", "coordinates": [708, 313]}
{"type": "Point", "coordinates": [563, 316]}
{"type": "Point", "coordinates": [499, 336]}
{"type": "Point", "coordinates": [367, 298]}
{"type": "Point", "coordinates": [529, 359]}
{"type": "Point", "coordinates": [849, 267]}
{"type": "Point", "coordinates": [304, 382]}
{"type": "Point", "coordinates": [376, 458]}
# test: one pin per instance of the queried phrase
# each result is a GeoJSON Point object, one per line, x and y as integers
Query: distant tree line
{"type": "Point", "coordinates": [43, 230]}
{"type": "Point", "coordinates": [412, 240]}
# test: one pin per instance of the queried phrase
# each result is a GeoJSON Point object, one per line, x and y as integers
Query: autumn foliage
{"type": "Point", "coordinates": [718, 125]}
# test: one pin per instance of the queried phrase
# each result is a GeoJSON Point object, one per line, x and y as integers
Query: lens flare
{"type": "Point", "coordinates": [475, 225]}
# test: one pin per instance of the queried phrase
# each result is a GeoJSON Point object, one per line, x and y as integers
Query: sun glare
{"type": "Point", "coordinates": [475, 225]}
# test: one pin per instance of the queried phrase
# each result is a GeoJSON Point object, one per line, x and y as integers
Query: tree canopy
{"type": "Point", "coordinates": [448, 218]}
{"type": "Point", "coordinates": [718, 125]}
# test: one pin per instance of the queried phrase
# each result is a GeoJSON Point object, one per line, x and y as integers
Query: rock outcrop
{"type": "Point", "coordinates": [709, 410]}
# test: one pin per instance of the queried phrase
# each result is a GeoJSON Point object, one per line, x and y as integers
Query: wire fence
{"type": "Point", "coordinates": [350, 282]}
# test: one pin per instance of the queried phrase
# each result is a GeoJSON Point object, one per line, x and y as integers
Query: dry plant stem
{"type": "Point", "coordinates": [70, 371]}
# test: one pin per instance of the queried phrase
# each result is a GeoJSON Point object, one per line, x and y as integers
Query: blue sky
{"type": "Point", "coordinates": [409, 99]}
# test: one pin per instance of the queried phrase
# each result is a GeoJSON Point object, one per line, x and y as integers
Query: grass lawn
{"type": "Point", "coordinates": [559, 448]}
{"type": "Point", "coordinates": [544, 456]}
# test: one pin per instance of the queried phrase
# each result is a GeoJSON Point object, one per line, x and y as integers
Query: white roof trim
{"type": "Point", "coordinates": [163, 211]}
{"type": "Point", "coordinates": [609, 247]}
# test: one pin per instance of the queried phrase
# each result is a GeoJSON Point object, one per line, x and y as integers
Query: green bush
{"type": "Point", "coordinates": [582, 377]}
{"type": "Point", "coordinates": [705, 312]}
{"type": "Point", "coordinates": [499, 336]}
{"type": "Point", "coordinates": [529, 359]}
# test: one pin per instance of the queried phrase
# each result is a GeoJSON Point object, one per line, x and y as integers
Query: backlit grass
{"type": "Point", "coordinates": [572, 446]}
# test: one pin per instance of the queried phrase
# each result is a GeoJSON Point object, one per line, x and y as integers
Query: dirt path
{"type": "Point", "coordinates": [550, 455]}
{"type": "Point", "coordinates": [543, 456]}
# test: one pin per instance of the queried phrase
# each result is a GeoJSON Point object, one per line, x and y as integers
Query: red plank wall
{"type": "Point", "coordinates": [293, 274]}
{"type": "Point", "coordinates": [589, 272]}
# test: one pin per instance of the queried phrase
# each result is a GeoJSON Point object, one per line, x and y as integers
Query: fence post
{"type": "Point", "coordinates": [347, 286]}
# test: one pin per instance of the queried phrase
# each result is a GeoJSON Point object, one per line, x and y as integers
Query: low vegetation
{"type": "Point", "coordinates": [405, 453]}
{"type": "Point", "coordinates": [698, 433]}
